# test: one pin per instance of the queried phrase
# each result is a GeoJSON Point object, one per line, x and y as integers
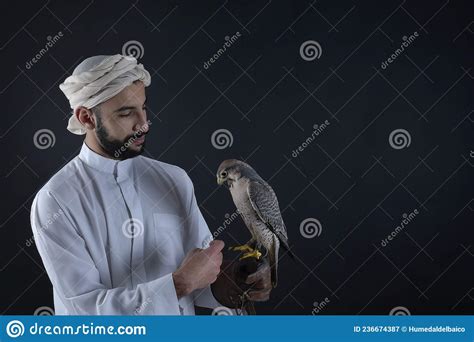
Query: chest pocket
{"type": "Point", "coordinates": [169, 233]}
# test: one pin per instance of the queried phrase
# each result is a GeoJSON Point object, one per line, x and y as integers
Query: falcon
{"type": "Point", "coordinates": [258, 206]}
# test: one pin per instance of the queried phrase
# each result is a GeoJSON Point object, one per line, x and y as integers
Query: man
{"type": "Point", "coordinates": [122, 234]}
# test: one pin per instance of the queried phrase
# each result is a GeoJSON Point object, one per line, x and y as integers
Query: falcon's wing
{"type": "Point", "coordinates": [265, 203]}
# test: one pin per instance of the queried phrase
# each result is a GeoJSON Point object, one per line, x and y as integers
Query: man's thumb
{"type": "Point", "coordinates": [215, 246]}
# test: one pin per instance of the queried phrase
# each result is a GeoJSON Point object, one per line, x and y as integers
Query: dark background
{"type": "Point", "coordinates": [269, 98]}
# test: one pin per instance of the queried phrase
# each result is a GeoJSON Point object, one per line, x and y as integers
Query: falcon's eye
{"type": "Point", "coordinates": [224, 174]}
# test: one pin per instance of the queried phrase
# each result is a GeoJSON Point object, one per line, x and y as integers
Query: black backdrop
{"type": "Point", "coordinates": [398, 138]}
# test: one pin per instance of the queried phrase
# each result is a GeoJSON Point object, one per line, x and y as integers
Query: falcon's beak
{"type": "Point", "coordinates": [220, 180]}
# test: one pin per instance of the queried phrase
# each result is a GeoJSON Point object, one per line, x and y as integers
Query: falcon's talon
{"type": "Point", "coordinates": [243, 248]}
{"type": "Point", "coordinates": [255, 254]}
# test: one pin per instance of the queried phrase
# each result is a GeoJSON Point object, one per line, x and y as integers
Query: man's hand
{"type": "Point", "coordinates": [240, 276]}
{"type": "Point", "coordinates": [260, 283]}
{"type": "Point", "coordinates": [199, 268]}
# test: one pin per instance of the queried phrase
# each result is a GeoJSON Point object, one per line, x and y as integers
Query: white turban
{"type": "Point", "coordinates": [98, 79]}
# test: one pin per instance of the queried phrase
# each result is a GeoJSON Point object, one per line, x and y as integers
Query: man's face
{"type": "Point", "coordinates": [121, 123]}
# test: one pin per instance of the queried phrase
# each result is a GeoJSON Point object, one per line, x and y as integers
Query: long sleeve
{"type": "Point", "coordinates": [75, 277]}
{"type": "Point", "coordinates": [200, 237]}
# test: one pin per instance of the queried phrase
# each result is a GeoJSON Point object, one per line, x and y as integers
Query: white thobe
{"type": "Point", "coordinates": [81, 224]}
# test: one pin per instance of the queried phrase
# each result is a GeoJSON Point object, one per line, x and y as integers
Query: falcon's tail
{"type": "Point", "coordinates": [284, 243]}
{"type": "Point", "coordinates": [273, 260]}
{"type": "Point", "coordinates": [274, 270]}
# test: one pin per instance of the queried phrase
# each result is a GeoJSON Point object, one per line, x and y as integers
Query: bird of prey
{"type": "Point", "coordinates": [258, 206]}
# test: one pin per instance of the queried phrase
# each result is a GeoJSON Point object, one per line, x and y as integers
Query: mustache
{"type": "Point", "coordinates": [135, 136]}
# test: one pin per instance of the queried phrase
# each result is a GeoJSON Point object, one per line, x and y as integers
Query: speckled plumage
{"type": "Point", "coordinates": [258, 206]}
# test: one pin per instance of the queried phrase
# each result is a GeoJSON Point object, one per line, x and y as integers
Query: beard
{"type": "Point", "coordinates": [116, 148]}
